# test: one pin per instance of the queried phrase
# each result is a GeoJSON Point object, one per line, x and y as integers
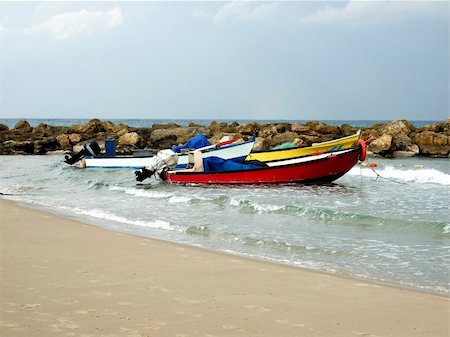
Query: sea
{"type": "Point", "coordinates": [387, 224]}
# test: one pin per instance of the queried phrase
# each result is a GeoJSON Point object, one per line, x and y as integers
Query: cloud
{"type": "Point", "coordinates": [70, 25]}
{"type": "Point", "coordinates": [245, 11]}
{"type": "Point", "coordinates": [370, 12]}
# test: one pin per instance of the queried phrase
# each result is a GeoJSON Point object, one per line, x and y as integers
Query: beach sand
{"type": "Point", "coordinates": [60, 277]}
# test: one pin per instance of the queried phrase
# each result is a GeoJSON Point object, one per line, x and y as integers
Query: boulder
{"type": "Point", "coordinates": [120, 129]}
{"type": "Point", "coordinates": [300, 128]}
{"type": "Point", "coordinates": [323, 128]}
{"type": "Point", "coordinates": [348, 130]}
{"type": "Point", "coordinates": [401, 142]}
{"type": "Point", "coordinates": [435, 127]}
{"type": "Point", "coordinates": [166, 138]}
{"type": "Point", "coordinates": [397, 127]}
{"type": "Point", "coordinates": [299, 142]}
{"type": "Point", "coordinates": [381, 145]}
{"type": "Point", "coordinates": [283, 138]}
{"type": "Point", "coordinates": [44, 130]}
{"type": "Point", "coordinates": [308, 140]}
{"type": "Point", "coordinates": [42, 146]}
{"type": "Point", "coordinates": [19, 147]}
{"type": "Point", "coordinates": [431, 143]}
{"type": "Point", "coordinates": [218, 136]}
{"type": "Point", "coordinates": [131, 138]}
{"type": "Point", "coordinates": [248, 129]}
{"type": "Point", "coordinates": [95, 126]}
{"type": "Point", "coordinates": [64, 141]}
{"type": "Point", "coordinates": [261, 144]}
{"type": "Point", "coordinates": [23, 126]}
{"type": "Point", "coordinates": [270, 130]}
{"type": "Point", "coordinates": [3, 127]}
{"type": "Point", "coordinates": [75, 138]}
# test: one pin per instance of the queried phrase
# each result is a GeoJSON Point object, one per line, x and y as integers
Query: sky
{"type": "Point", "coordinates": [286, 60]}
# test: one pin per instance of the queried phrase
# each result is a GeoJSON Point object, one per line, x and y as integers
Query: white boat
{"type": "Point", "coordinates": [228, 151]}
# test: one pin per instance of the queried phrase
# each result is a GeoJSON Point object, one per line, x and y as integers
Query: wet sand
{"type": "Point", "coordinates": [60, 277]}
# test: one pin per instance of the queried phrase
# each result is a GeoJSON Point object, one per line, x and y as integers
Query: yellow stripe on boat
{"type": "Point", "coordinates": [332, 145]}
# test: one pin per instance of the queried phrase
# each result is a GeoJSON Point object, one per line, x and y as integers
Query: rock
{"type": "Point", "coordinates": [323, 128]}
{"type": "Point", "coordinates": [107, 125]}
{"type": "Point", "coordinates": [41, 146]}
{"type": "Point", "coordinates": [120, 129]}
{"type": "Point", "coordinates": [397, 127]}
{"type": "Point", "coordinates": [166, 138]}
{"type": "Point", "coordinates": [44, 130]}
{"type": "Point", "coordinates": [397, 138]}
{"type": "Point", "coordinates": [23, 126]}
{"type": "Point", "coordinates": [131, 138]}
{"type": "Point", "coordinates": [165, 126]}
{"type": "Point", "coordinates": [348, 130]}
{"type": "Point", "coordinates": [308, 140]}
{"type": "Point", "coordinates": [218, 136]}
{"type": "Point", "coordinates": [268, 131]}
{"type": "Point", "coordinates": [22, 147]}
{"type": "Point", "coordinates": [64, 141]}
{"type": "Point", "coordinates": [248, 129]}
{"type": "Point", "coordinates": [299, 142]}
{"type": "Point", "coordinates": [381, 145]}
{"type": "Point", "coordinates": [283, 138]}
{"type": "Point", "coordinates": [435, 127]}
{"type": "Point", "coordinates": [300, 128]}
{"type": "Point", "coordinates": [261, 144]}
{"type": "Point", "coordinates": [431, 143]}
{"type": "Point", "coordinates": [75, 138]}
{"type": "Point", "coordinates": [401, 142]}
{"type": "Point", "coordinates": [94, 126]}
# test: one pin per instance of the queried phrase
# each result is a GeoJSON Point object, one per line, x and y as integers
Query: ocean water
{"type": "Point", "coordinates": [11, 122]}
{"type": "Point", "coordinates": [389, 225]}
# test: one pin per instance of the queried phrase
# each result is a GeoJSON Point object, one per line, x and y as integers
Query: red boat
{"type": "Point", "coordinates": [317, 168]}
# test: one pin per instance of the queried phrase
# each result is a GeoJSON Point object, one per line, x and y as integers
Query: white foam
{"type": "Point", "coordinates": [447, 229]}
{"type": "Point", "coordinates": [179, 199]}
{"type": "Point", "coordinates": [105, 215]}
{"type": "Point", "coordinates": [141, 192]}
{"type": "Point", "coordinates": [421, 176]}
{"type": "Point", "coordinates": [267, 208]}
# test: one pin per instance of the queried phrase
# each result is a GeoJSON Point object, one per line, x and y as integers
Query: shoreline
{"type": "Point", "coordinates": [100, 224]}
{"type": "Point", "coordinates": [65, 277]}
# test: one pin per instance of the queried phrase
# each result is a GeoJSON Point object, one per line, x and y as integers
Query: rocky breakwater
{"type": "Point", "coordinates": [394, 139]}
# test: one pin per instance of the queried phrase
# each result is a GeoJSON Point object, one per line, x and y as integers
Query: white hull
{"type": "Point", "coordinates": [226, 152]}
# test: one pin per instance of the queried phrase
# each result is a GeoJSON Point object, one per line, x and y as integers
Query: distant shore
{"type": "Point", "coordinates": [63, 277]}
{"type": "Point", "coordinates": [398, 138]}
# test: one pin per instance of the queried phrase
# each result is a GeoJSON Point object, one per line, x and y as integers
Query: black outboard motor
{"type": "Point", "coordinates": [89, 149]}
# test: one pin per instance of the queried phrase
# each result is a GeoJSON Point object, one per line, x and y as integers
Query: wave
{"type": "Point", "coordinates": [147, 193]}
{"type": "Point", "coordinates": [105, 215]}
{"type": "Point", "coordinates": [325, 215]}
{"type": "Point", "coordinates": [419, 175]}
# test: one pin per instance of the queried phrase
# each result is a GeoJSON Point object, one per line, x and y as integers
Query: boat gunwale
{"type": "Point", "coordinates": [358, 134]}
{"type": "Point", "coordinates": [316, 160]}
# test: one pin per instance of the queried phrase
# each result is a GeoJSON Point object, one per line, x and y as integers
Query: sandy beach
{"type": "Point", "coordinates": [60, 277]}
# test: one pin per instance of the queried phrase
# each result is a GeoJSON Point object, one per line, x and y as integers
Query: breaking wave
{"type": "Point", "coordinates": [418, 175]}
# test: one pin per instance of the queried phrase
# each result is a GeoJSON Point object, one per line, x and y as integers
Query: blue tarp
{"type": "Point", "coordinates": [193, 143]}
{"type": "Point", "coordinates": [214, 164]}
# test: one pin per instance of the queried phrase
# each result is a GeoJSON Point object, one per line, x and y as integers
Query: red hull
{"type": "Point", "coordinates": [321, 170]}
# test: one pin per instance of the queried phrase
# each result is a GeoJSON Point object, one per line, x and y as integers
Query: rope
{"type": "Point", "coordinates": [380, 176]}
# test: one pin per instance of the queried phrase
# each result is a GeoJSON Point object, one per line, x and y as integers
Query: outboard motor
{"type": "Point", "coordinates": [165, 159]}
{"type": "Point", "coordinates": [89, 149]}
